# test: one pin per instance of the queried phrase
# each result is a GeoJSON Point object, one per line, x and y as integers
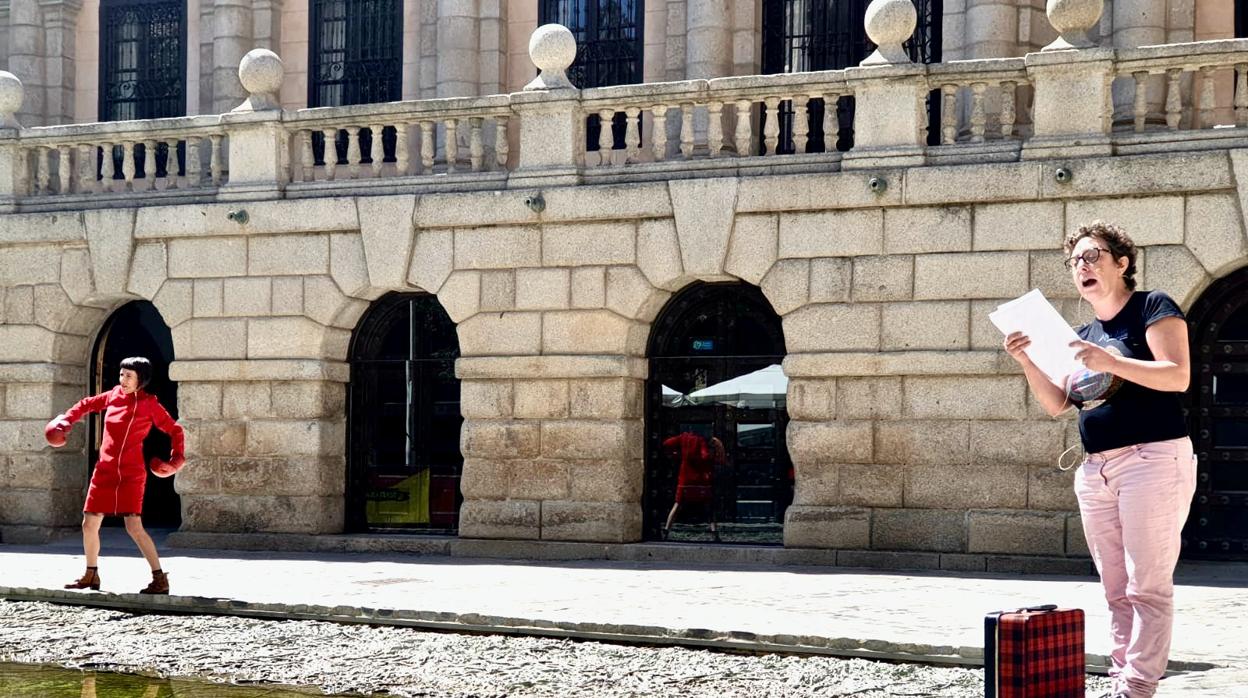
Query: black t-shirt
{"type": "Point", "coordinates": [1115, 412]}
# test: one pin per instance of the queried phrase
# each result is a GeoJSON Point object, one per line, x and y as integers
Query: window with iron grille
{"type": "Point", "coordinates": [608, 49]}
{"type": "Point", "coordinates": [356, 57]}
{"type": "Point", "coordinates": [142, 59]}
{"type": "Point", "coordinates": [1241, 19]}
{"type": "Point", "coordinates": [807, 35]}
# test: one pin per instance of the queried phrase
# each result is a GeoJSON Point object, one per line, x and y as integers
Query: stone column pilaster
{"type": "Point", "coordinates": [232, 38]}
{"type": "Point", "coordinates": [1139, 23]}
{"type": "Point", "coordinates": [493, 36]}
{"type": "Point", "coordinates": [708, 49]}
{"type": "Point", "coordinates": [459, 48]}
{"type": "Point", "coordinates": [991, 29]}
{"type": "Point", "coordinates": [60, 17]}
{"type": "Point", "coordinates": [266, 21]}
{"type": "Point", "coordinates": [203, 54]}
{"type": "Point", "coordinates": [26, 59]}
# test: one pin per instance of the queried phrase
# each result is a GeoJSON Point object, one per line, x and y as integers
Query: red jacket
{"type": "Point", "coordinates": [121, 475]}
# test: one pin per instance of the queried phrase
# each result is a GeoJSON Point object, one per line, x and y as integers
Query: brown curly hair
{"type": "Point", "coordinates": [1116, 239]}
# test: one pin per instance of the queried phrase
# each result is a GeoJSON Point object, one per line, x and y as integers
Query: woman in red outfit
{"type": "Point", "coordinates": [120, 475]}
{"type": "Point", "coordinates": [694, 479]}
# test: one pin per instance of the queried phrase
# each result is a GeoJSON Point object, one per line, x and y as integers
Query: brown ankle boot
{"type": "Point", "coordinates": [89, 580]}
{"type": "Point", "coordinates": [159, 585]}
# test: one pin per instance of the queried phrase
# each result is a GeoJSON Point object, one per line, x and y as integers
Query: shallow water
{"type": "Point", "coordinates": [35, 681]}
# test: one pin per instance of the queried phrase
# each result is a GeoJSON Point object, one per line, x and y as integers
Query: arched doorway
{"type": "Point", "coordinates": [404, 460]}
{"type": "Point", "coordinates": [137, 329]}
{"type": "Point", "coordinates": [1218, 419]}
{"type": "Point", "coordinates": [715, 419]}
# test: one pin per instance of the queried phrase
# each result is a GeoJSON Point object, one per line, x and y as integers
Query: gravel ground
{"type": "Point", "coordinates": [405, 662]}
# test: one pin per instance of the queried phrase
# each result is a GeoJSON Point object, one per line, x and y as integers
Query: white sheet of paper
{"type": "Point", "coordinates": [1050, 334]}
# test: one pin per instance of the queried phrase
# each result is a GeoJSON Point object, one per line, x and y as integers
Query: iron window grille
{"type": "Point", "coordinates": [356, 57]}
{"type": "Point", "coordinates": [810, 35]}
{"type": "Point", "coordinates": [609, 49]}
{"type": "Point", "coordinates": [142, 70]}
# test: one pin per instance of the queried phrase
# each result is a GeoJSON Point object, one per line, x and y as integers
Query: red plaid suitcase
{"type": "Point", "coordinates": [1034, 652]}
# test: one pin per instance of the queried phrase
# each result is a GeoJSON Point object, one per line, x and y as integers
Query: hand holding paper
{"type": "Point", "coordinates": [1050, 335]}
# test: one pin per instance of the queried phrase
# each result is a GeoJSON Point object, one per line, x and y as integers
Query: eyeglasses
{"type": "Point", "coordinates": [1089, 257]}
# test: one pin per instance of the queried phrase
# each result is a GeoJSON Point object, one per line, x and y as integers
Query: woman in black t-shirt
{"type": "Point", "coordinates": [1136, 483]}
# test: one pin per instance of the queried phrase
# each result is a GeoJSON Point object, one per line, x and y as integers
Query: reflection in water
{"type": "Point", "coordinates": [33, 681]}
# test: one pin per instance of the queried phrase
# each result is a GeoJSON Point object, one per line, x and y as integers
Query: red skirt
{"type": "Point", "coordinates": [116, 491]}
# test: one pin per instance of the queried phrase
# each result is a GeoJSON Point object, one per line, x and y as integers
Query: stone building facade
{"type": "Point", "coordinates": [907, 429]}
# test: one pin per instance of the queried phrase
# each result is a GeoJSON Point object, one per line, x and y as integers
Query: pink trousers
{"type": "Point", "coordinates": [1133, 501]}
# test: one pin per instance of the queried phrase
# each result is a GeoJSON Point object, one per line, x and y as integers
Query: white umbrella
{"type": "Point", "coordinates": [764, 388]}
{"type": "Point", "coordinates": [673, 398]}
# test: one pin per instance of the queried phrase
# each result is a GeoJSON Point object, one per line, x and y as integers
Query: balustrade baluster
{"type": "Point", "coordinates": [1008, 115]}
{"type": "Point", "coordinates": [127, 162]}
{"type": "Point", "coordinates": [87, 163]}
{"type": "Point", "coordinates": [171, 163]}
{"type": "Point", "coordinates": [1241, 94]}
{"type": "Point", "coordinates": [686, 130]}
{"type": "Point", "coordinates": [353, 151]}
{"type": "Point", "coordinates": [330, 137]}
{"type": "Point", "coordinates": [1206, 97]}
{"type": "Point", "coordinates": [978, 118]}
{"type": "Point", "coordinates": [194, 165]}
{"type": "Point", "coordinates": [307, 157]}
{"type": "Point", "coordinates": [771, 131]}
{"type": "Point", "coordinates": [605, 139]}
{"type": "Point", "coordinates": [801, 124]}
{"type": "Point", "coordinates": [64, 169]}
{"type": "Point", "coordinates": [476, 144]}
{"type": "Point", "coordinates": [715, 129]}
{"type": "Point", "coordinates": [658, 132]}
{"type": "Point", "coordinates": [502, 146]}
{"type": "Point", "coordinates": [402, 160]}
{"type": "Point", "coordinates": [109, 168]}
{"type": "Point", "coordinates": [452, 144]}
{"type": "Point", "coordinates": [43, 170]}
{"type": "Point", "coordinates": [377, 149]}
{"type": "Point", "coordinates": [149, 170]}
{"type": "Point", "coordinates": [214, 160]}
{"type": "Point", "coordinates": [745, 130]}
{"type": "Point", "coordinates": [831, 122]}
{"type": "Point", "coordinates": [949, 114]}
{"type": "Point", "coordinates": [1174, 100]}
{"type": "Point", "coordinates": [632, 134]}
{"type": "Point", "coordinates": [428, 147]}
{"type": "Point", "coordinates": [1140, 107]}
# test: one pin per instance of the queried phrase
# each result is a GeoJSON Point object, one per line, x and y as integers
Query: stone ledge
{"type": "Point", "coordinates": [902, 363]}
{"type": "Point", "coordinates": [487, 367]}
{"type": "Point", "coordinates": [260, 370]}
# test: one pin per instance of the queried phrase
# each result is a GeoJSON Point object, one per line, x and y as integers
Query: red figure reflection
{"type": "Point", "coordinates": [695, 479]}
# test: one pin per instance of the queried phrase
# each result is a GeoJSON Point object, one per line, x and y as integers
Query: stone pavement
{"type": "Point", "coordinates": [925, 615]}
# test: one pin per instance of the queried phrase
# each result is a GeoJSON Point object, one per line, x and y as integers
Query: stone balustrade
{"type": "Point", "coordinates": [1200, 63]}
{"type": "Point", "coordinates": [418, 138]}
{"type": "Point", "coordinates": [121, 158]}
{"type": "Point", "coordinates": [1051, 104]}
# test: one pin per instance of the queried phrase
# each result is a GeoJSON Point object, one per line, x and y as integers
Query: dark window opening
{"type": "Point", "coordinates": [404, 458]}
{"type": "Point", "coordinates": [609, 49]}
{"type": "Point", "coordinates": [143, 73]}
{"type": "Point", "coordinates": [356, 57]}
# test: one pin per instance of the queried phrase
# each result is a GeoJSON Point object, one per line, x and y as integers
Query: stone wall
{"type": "Point", "coordinates": [910, 429]}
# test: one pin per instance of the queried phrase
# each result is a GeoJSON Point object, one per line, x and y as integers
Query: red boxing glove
{"type": "Point", "coordinates": [57, 431]}
{"type": "Point", "coordinates": [162, 468]}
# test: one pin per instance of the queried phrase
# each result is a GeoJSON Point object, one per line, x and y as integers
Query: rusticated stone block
{"type": "Point", "coordinates": [616, 439]}
{"type": "Point", "coordinates": [498, 248]}
{"type": "Point", "coordinates": [812, 400]}
{"type": "Point", "coordinates": [883, 278]}
{"type": "Point", "coordinates": [1016, 443]}
{"type": "Point", "coordinates": [703, 211]}
{"type": "Point", "coordinates": [249, 399]}
{"type": "Point", "coordinates": [752, 250]}
{"type": "Point", "coordinates": [515, 518]}
{"type": "Point", "coordinates": [816, 484]}
{"type": "Point", "coordinates": [587, 243]}
{"type": "Point", "coordinates": [1215, 231]}
{"type": "Point", "coordinates": [630, 294]}
{"type": "Point", "coordinates": [63, 471]}
{"type": "Point", "coordinates": [832, 233]}
{"type": "Point", "coordinates": [1049, 488]}
{"type": "Point", "coordinates": [967, 486]}
{"type": "Point", "coordinates": [282, 475]}
{"type": "Point", "coordinates": [869, 398]}
{"type": "Point", "coordinates": [583, 332]}
{"type": "Point", "coordinates": [538, 479]}
{"type": "Point", "coordinates": [833, 327]}
{"type": "Point", "coordinates": [308, 399]}
{"type": "Point", "coordinates": [1153, 220]}
{"type": "Point", "coordinates": [199, 258]}
{"type": "Point", "coordinates": [908, 230]}
{"type": "Point", "coordinates": [542, 289]}
{"type": "Point", "coordinates": [1183, 274]}
{"type": "Point", "coordinates": [498, 290]}
{"type": "Point", "coordinates": [38, 400]}
{"type": "Point", "coordinates": [936, 530]}
{"type": "Point", "coordinates": [1076, 541]}
{"type": "Point", "coordinates": [970, 275]}
{"type": "Point", "coordinates": [871, 485]}
{"type": "Point", "coordinates": [925, 325]}
{"type": "Point", "coordinates": [605, 480]}
{"type": "Point", "coordinates": [304, 437]}
{"type": "Point", "coordinates": [837, 441]}
{"type": "Point", "coordinates": [1018, 532]}
{"type": "Point", "coordinates": [589, 287]}
{"type": "Point", "coordinates": [485, 399]}
{"type": "Point", "coordinates": [605, 398]}
{"type": "Point", "coordinates": [1023, 225]}
{"type": "Point", "coordinates": [485, 478]}
{"type": "Point", "coordinates": [500, 439]}
{"type": "Point", "coordinates": [211, 339]}
{"type": "Point", "coordinates": [546, 399]}
{"type": "Point", "coordinates": [41, 507]}
{"type": "Point", "coordinates": [965, 397]}
{"type": "Point", "coordinates": [830, 280]}
{"type": "Point", "coordinates": [605, 522]}
{"type": "Point", "coordinates": [235, 513]}
{"type": "Point", "coordinates": [658, 254]}
{"type": "Point", "coordinates": [827, 527]}
{"type": "Point", "coordinates": [921, 442]}
{"type": "Point", "coordinates": [501, 334]}
{"type": "Point", "coordinates": [787, 285]}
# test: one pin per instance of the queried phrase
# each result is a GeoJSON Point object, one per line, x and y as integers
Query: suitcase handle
{"type": "Point", "coordinates": [1045, 607]}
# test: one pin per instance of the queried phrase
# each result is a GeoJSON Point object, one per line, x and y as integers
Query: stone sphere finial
{"type": "Point", "coordinates": [261, 72]}
{"type": "Point", "coordinates": [11, 96]}
{"type": "Point", "coordinates": [552, 49]}
{"type": "Point", "coordinates": [1073, 19]}
{"type": "Point", "coordinates": [889, 24]}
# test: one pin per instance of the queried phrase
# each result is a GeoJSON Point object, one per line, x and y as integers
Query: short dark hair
{"type": "Point", "coordinates": [1116, 239]}
{"type": "Point", "coordinates": [141, 366]}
